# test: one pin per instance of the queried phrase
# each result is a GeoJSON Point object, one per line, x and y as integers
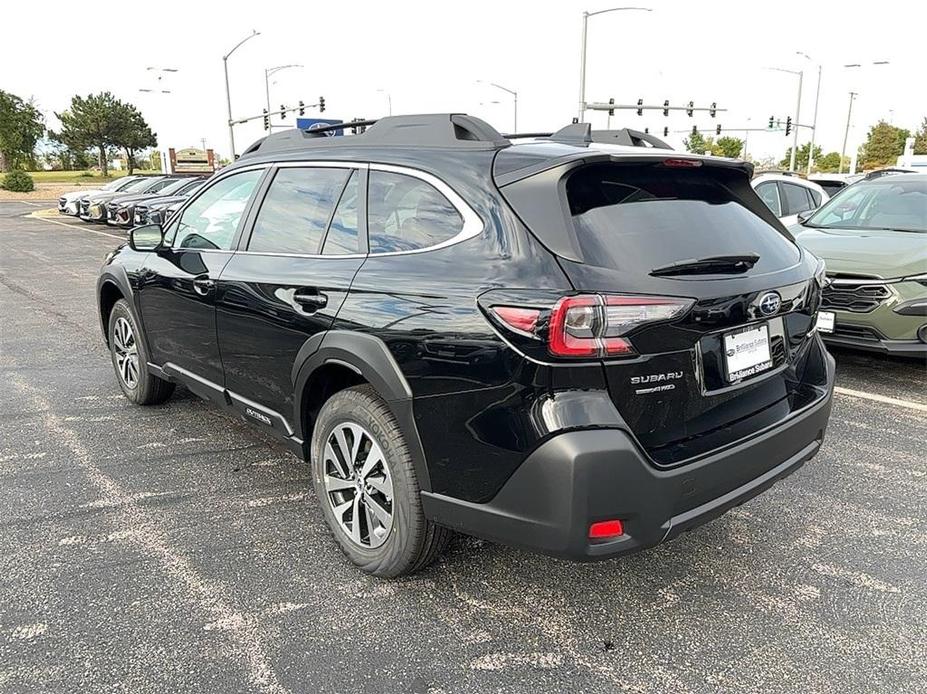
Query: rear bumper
{"type": "Point", "coordinates": [580, 477]}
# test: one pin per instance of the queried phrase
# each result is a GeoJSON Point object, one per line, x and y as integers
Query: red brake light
{"type": "Point", "coordinates": [523, 319]}
{"type": "Point", "coordinates": [606, 529]}
{"type": "Point", "coordinates": [682, 163]}
{"type": "Point", "coordinates": [594, 325]}
{"type": "Point", "coordinates": [573, 330]}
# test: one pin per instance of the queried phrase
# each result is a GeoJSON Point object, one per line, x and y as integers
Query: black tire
{"type": "Point", "coordinates": [147, 389]}
{"type": "Point", "coordinates": [413, 542]}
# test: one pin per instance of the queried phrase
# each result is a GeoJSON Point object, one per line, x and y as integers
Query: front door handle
{"type": "Point", "coordinates": [203, 285]}
{"type": "Point", "coordinates": [310, 302]}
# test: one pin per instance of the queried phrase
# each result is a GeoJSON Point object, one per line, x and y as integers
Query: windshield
{"type": "Point", "coordinates": [116, 184]}
{"type": "Point", "coordinates": [895, 203]}
{"type": "Point", "coordinates": [141, 185]}
{"type": "Point", "coordinates": [174, 186]}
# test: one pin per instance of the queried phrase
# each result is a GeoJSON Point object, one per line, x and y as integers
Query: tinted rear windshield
{"type": "Point", "coordinates": [641, 217]}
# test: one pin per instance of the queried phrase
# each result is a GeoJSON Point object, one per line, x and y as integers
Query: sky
{"type": "Point", "coordinates": [427, 57]}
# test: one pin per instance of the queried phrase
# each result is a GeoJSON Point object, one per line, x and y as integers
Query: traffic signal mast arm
{"type": "Point", "coordinates": [640, 107]}
{"type": "Point", "coordinates": [279, 112]}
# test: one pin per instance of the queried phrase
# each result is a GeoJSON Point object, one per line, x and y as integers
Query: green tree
{"type": "Point", "coordinates": [21, 127]}
{"type": "Point", "coordinates": [698, 143]}
{"type": "Point", "coordinates": [801, 157]}
{"type": "Point", "coordinates": [883, 145]}
{"type": "Point", "coordinates": [91, 122]}
{"type": "Point", "coordinates": [920, 138]}
{"type": "Point", "coordinates": [730, 147]}
{"type": "Point", "coordinates": [133, 134]}
{"type": "Point", "coordinates": [829, 163]}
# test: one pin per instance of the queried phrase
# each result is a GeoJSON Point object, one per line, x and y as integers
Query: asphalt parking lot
{"type": "Point", "coordinates": [176, 549]}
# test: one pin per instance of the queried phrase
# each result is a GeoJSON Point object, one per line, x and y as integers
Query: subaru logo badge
{"type": "Point", "coordinates": [769, 303]}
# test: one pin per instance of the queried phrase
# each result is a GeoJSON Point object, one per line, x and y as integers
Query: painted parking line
{"type": "Point", "coordinates": [920, 407]}
{"type": "Point", "coordinates": [75, 227]}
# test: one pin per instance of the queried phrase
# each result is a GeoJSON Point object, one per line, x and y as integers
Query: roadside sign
{"type": "Point", "coordinates": [309, 123]}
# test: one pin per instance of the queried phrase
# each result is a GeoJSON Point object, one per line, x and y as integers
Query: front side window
{"type": "Point", "coordinates": [210, 221]}
{"type": "Point", "coordinates": [797, 198]}
{"type": "Point", "coordinates": [406, 213]}
{"type": "Point", "coordinates": [296, 210]}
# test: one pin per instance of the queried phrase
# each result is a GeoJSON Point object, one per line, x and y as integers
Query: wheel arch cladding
{"type": "Point", "coordinates": [339, 359]}
{"type": "Point", "coordinates": [110, 293]}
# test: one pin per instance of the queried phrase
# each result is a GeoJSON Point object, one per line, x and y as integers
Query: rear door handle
{"type": "Point", "coordinates": [310, 301]}
{"type": "Point", "coordinates": [203, 285]}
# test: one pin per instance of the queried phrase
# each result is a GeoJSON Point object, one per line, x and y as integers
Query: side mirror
{"type": "Point", "coordinates": [146, 238]}
{"type": "Point", "coordinates": [803, 216]}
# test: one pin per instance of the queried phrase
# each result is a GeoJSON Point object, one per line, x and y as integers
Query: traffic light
{"type": "Point", "coordinates": [690, 110]}
{"type": "Point", "coordinates": [302, 108]}
{"type": "Point", "coordinates": [695, 130]}
{"type": "Point", "coordinates": [666, 107]}
{"type": "Point", "coordinates": [788, 125]}
{"type": "Point", "coordinates": [713, 110]}
{"type": "Point", "coordinates": [266, 120]}
{"type": "Point", "coordinates": [718, 129]}
{"type": "Point", "coordinates": [646, 131]}
{"type": "Point", "coordinates": [771, 121]}
{"type": "Point", "coordinates": [640, 110]}
{"type": "Point", "coordinates": [282, 112]}
{"type": "Point", "coordinates": [665, 132]}
{"type": "Point", "coordinates": [321, 104]}
{"type": "Point", "coordinates": [611, 111]}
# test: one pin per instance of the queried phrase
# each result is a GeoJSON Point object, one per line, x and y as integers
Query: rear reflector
{"type": "Point", "coordinates": [606, 529]}
{"type": "Point", "coordinates": [523, 319]}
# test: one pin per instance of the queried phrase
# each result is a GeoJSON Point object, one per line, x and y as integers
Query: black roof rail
{"type": "Point", "coordinates": [425, 130]}
{"type": "Point", "coordinates": [583, 134]}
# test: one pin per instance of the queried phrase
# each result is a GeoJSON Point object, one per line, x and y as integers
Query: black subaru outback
{"type": "Point", "coordinates": [582, 342]}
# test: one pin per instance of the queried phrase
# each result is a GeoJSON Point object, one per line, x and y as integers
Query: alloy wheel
{"type": "Point", "coordinates": [358, 484]}
{"type": "Point", "coordinates": [125, 350]}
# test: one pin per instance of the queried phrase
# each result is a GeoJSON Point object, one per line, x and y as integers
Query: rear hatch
{"type": "Point", "coordinates": [705, 303]}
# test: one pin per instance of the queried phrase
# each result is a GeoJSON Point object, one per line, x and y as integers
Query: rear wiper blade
{"type": "Point", "coordinates": [720, 264]}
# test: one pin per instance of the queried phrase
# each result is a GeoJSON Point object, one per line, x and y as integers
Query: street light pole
{"type": "Point", "coordinates": [582, 63]}
{"type": "Point", "coordinates": [801, 76]}
{"type": "Point", "coordinates": [846, 133]}
{"type": "Point", "coordinates": [814, 121]}
{"type": "Point", "coordinates": [268, 71]}
{"type": "Point", "coordinates": [389, 100]}
{"type": "Point", "coordinates": [228, 94]}
{"type": "Point", "coordinates": [515, 103]}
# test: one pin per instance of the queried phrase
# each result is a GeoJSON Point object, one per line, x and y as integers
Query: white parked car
{"type": "Point", "coordinates": [69, 203]}
{"type": "Point", "coordinates": [788, 195]}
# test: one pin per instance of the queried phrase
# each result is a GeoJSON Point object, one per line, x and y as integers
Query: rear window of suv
{"type": "Point", "coordinates": [641, 217]}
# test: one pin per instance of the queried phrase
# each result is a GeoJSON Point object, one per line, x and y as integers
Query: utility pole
{"type": "Point", "coordinates": [846, 133]}
{"type": "Point", "coordinates": [228, 95]}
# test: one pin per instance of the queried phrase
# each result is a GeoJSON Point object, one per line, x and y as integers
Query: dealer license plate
{"type": "Point", "coordinates": [746, 352]}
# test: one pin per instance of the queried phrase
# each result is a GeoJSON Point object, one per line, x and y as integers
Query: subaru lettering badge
{"type": "Point", "coordinates": [769, 303]}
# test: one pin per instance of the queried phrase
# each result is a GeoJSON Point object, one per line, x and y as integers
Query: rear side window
{"type": "Point", "coordinates": [296, 210]}
{"type": "Point", "coordinates": [797, 198]}
{"type": "Point", "coordinates": [406, 213]}
{"type": "Point", "coordinates": [637, 218]}
{"type": "Point", "coordinates": [769, 194]}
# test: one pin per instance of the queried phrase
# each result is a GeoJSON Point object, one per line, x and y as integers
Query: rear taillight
{"type": "Point", "coordinates": [591, 325]}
